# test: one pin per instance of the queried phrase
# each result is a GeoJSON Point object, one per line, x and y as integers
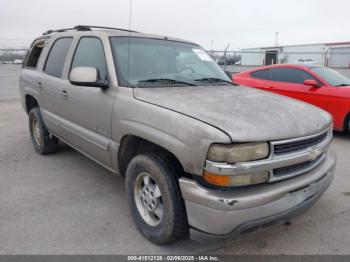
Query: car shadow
{"type": "Point", "coordinates": [341, 135]}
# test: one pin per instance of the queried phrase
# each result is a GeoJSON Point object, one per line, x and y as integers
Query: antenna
{"type": "Point", "coordinates": [130, 14]}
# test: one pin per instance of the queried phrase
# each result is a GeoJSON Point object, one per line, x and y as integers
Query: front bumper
{"type": "Point", "coordinates": [216, 214]}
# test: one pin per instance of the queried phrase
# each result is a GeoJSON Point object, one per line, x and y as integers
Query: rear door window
{"type": "Point", "coordinates": [289, 75]}
{"type": "Point", "coordinates": [261, 74]}
{"type": "Point", "coordinates": [57, 56]}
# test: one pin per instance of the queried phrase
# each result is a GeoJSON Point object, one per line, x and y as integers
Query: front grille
{"type": "Point", "coordinates": [297, 168]}
{"type": "Point", "coordinates": [298, 145]}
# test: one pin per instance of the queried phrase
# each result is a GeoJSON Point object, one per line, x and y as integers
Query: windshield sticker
{"type": "Point", "coordinates": [202, 55]}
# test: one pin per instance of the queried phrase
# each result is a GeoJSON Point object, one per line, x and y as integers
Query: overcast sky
{"type": "Point", "coordinates": [242, 23]}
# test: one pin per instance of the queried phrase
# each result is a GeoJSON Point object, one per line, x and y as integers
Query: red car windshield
{"type": "Point", "coordinates": [331, 76]}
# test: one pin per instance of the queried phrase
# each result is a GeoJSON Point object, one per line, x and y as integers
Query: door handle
{"type": "Point", "coordinates": [65, 94]}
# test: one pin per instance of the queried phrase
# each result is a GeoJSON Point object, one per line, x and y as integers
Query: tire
{"type": "Point", "coordinates": [172, 225]}
{"type": "Point", "coordinates": [43, 142]}
{"type": "Point", "coordinates": [347, 123]}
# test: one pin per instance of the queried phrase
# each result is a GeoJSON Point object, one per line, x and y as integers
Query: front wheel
{"type": "Point", "coordinates": [154, 199]}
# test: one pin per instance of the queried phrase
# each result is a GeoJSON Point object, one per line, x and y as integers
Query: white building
{"type": "Point", "coordinates": [330, 54]}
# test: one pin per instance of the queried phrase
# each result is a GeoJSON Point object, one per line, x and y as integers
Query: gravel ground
{"type": "Point", "coordinates": [67, 204]}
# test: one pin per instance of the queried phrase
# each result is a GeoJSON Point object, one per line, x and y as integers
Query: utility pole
{"type": "Point", "coordinates": [276, 39]}
{"type": "Point", "coordinates": [212, 49]}
{"type": "Point", "coordinates": [225, 61]}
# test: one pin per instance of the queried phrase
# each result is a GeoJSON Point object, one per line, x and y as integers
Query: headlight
{"type": "Point", "coordinates": [238, 152]}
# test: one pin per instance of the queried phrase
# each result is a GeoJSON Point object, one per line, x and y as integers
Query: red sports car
{"type": "Point", "coordinates": [317, 85]}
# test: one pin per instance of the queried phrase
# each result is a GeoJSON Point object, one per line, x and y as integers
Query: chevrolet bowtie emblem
{"type": "Point", "coordinates": [314, 154]}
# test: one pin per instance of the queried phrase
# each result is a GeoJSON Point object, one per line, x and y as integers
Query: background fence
{"type": "Point", "coordinates": [234, 61]}
{"type": "Point", "coordinates": [12, 55]}
{"type": "Point", "coordinates": [333, 57]}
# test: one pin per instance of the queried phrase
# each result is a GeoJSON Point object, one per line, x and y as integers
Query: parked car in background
{"type": "Point", "coordinates": [306, 61]}
{"type": "Point", "coordinates": [18, 61]}
{"type": "Point", "coordinates": [317, 85]}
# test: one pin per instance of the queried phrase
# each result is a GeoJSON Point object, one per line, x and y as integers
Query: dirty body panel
{"type": "Point", "coordinates": [185, 137]}
{"type": "Point", "coordinates": [245, 114]}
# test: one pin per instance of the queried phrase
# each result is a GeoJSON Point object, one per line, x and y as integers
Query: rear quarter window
{"type": "Point", "coordinates": [34, 53]}
{"type": "Point", "coordinates": [261, 74]}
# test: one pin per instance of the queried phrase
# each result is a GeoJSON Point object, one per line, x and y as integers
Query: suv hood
{"type": "Point", "coordinates": [245, 114]}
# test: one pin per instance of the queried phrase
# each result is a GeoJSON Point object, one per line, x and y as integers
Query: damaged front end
{"type": "Point", "coordinates": [300, 170]}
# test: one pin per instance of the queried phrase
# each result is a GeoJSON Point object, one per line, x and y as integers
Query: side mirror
{"type": "Point", "coordinates": [312, 83]}
{"type": "Point", "coordinates": [86, 76]}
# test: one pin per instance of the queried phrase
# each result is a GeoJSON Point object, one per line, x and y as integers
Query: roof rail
{"type": "Point", "coordinates": [85, 28]}
{"type": "Point", "coordinates": [77, 28]}
{"type": "Point", "coordinates": [106, 27]}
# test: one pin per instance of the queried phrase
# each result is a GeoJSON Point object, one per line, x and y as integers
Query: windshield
{"type": "Point", "coordinates": [331, 76]}
{"type": "Point", "coordinates": [154, 62]}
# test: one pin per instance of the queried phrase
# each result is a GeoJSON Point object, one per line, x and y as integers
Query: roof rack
{"type": "Point", "coordinates": [86, 28]}
{"type": "Point", "coordinates": [108, 28]}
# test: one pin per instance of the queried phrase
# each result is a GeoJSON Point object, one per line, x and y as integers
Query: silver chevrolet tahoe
{"type": "Point", "coordinates": [199, 154]}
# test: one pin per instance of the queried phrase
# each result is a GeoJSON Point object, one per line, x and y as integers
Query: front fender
{"type": "Point", "coordinates": [188, 139]}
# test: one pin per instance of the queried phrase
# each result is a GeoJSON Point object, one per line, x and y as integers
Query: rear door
{"type": "Point", "coordinates": [52, 82]}
{"type": "Point", "coordinates": [290, 82]}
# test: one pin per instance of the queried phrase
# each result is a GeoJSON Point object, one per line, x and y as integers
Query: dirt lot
{"type": "Point", "coordinates": [67, 204]}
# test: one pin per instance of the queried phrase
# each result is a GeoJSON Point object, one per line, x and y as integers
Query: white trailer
{"type": "Point", "coordinates": [316, 52]}
{"type": "Point", "coordinates": [252, 57]}
{"type": "Point", "coordinates": [339, 56]}
{"type": "Point", "coordinates": [329, 54]}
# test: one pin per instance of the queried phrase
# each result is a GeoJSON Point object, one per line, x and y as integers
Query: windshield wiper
{"type": "Point", "coordinates": [165, 81]}
{"type": "Point", "coordinates": [214, 80]}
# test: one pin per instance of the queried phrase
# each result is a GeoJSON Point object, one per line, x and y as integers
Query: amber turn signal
{"type": "Point", "coordinates": [216, 179]}
{"type": "Point", "coordinates": [236, 180]}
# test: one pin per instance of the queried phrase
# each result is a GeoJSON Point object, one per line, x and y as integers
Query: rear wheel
{"type": "Point", "coordinates": [43, 142]}
{"type": "Point", "coordinates": [154, 199]}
